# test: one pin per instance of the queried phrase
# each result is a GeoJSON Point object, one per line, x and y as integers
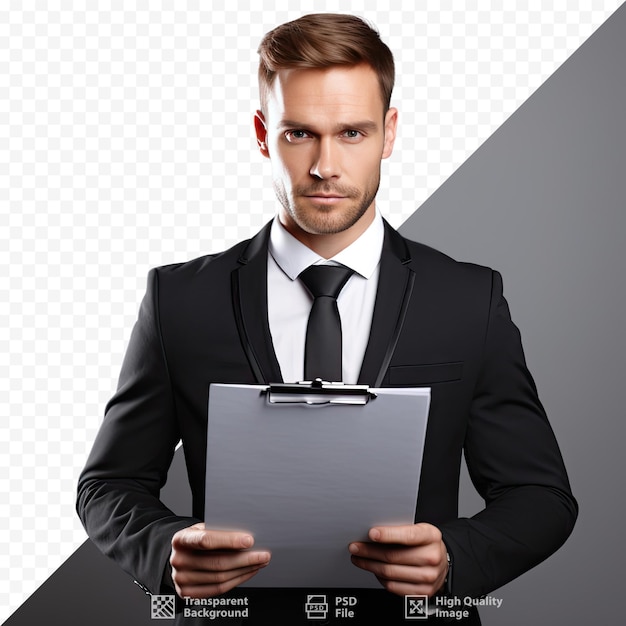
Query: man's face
{"type": "Point", "coordinates": [325, 133]}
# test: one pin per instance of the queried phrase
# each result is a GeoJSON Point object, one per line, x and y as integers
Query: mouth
{"type": "Point", "coordinates": [325, 198]}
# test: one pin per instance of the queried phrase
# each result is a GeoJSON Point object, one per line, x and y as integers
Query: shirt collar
{"type": "Point", "coordinates": [293, 257]}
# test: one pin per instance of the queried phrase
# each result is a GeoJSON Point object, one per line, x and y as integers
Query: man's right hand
{"type": "Point", "coordinates": [208, 563]}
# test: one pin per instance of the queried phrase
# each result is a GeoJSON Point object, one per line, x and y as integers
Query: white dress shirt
{"type": "Point", "coordinates": [289, 302]}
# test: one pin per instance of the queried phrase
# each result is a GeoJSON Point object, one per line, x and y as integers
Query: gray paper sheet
{"type": "Point", "coordinates": [308, 480]}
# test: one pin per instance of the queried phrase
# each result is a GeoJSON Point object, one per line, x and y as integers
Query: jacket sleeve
{"type": "Point", "coordinates": [516, 466]}
{"type": "Point", "coordinates": [118, 490]}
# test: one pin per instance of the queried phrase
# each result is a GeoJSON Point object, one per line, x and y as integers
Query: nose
{"type": "Point", "coordinates": [326, 163]}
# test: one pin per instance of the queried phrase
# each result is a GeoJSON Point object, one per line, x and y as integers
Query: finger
{"type": "Point", "coordinates": [408, 589]}
{"type": "Point", "coordinates": [217, 561]}
{"type": "Point", "coordinates": [399, 573]}
{"type": "Point", "coordinates": [186, 577]}
{"type": "Point", "coordinates": [409, 535]}
{"type": "Point", "coordinates": [196, 538]}
{"type": "Point", "coordinates": [213, 589]}
{"type": "Point", "coordinates": [425, 555]}
{"type": "Point", "coordinates": [403, 580]}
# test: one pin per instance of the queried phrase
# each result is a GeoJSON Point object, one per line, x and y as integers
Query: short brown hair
{"type": "Point", "coordinates": [323, 40]}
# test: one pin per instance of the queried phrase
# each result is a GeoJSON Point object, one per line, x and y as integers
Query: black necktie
{"type": "Point", "coordinates": [322, 350]}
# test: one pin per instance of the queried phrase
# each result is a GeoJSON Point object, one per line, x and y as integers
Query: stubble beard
{"type": "Point", "coordinates": [317, 219]}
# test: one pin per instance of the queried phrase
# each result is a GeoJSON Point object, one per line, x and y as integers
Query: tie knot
{"type": "Point", "coordinates": [325, 280]}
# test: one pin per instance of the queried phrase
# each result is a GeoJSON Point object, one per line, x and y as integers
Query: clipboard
{"type": "Point", "coordinates": [310, 467]}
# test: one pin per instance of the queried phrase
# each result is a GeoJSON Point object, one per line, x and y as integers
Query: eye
{"type": "Point", "coordinates": [352, 135]}
{"type": "Point", "coordinates": [295, 136]}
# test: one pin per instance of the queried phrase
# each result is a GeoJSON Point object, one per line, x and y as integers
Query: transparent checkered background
{"type": "Point", "coordinates": [126, 142]}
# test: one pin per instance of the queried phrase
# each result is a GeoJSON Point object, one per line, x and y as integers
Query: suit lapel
{"type": "Point", "coordinates": [249, 290]}
{"type": "Point", "coordinates": [395, 285]}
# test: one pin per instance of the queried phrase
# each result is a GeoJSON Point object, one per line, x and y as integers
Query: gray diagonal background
{"type": "Point", "coordinates": [543, 200]}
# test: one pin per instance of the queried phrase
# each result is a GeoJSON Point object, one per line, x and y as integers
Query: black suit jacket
{"type": "Point", "coordinates": [436, 323]}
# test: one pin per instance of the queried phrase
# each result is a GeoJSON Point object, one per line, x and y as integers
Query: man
{"type": "Point", "coordinates": [410, 317]}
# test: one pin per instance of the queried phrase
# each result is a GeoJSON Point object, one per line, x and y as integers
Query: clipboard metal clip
{"type": "Point", "coordinates": [318, 391]}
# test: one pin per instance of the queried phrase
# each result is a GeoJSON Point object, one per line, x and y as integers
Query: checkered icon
{"type": "Point", "coordinates": [162, 607]}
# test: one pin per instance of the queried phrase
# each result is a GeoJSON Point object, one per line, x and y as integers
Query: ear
{"type": "Point", "coordinates": [391, 123]}
{"type": "Point", "coordinates": [260, 128]}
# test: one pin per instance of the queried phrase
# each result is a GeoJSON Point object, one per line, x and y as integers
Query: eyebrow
{"type": "Point", "coordinates": [366, 125]}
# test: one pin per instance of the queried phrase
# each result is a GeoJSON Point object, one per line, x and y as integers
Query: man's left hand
{"type": "Point", "coordinates": [406, 560]}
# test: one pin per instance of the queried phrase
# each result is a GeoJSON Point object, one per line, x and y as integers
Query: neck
{"type": "Point", "coordinates": [330, 244]}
